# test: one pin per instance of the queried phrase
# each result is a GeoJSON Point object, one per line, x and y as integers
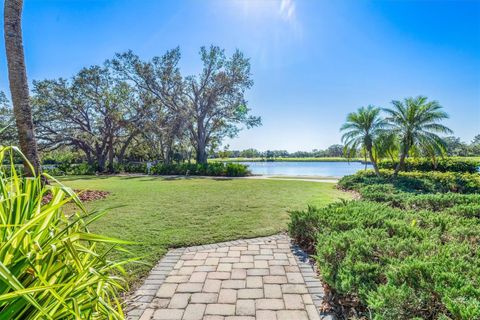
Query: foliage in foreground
{"type": "Point", "coordinates": [443, 165]}
{"type": "Point", "coordinates": [400, 264]}
{"type": "Point", "coordinates": [50, 267]}
{"type": "Point", "coordinates": [408, 249]}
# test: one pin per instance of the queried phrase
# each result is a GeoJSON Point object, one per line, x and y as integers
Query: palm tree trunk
{"type": "Point", "coordinates": [374, 162]}
{"type": "Point", "coordinates": [401, 163]}
{"type": "Point", "coordinates": [17, 76]}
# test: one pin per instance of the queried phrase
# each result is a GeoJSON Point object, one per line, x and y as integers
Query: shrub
{"type": "Point", "coordinates": [50, 267]}
{"type": "Point", "coordinates": [53, 171]}
{"type": "Point", "coordinates": [303, 227]}
{"type": "Point", "coordinates": [388, 194]}
{"type": "Point", "coordinates": [416, 181]}
{"type": "Point", "coordinates": [197, 169]}
{"type": "Point", "coordinates": [236, 170]}
{"type": "Point", "coordinates": [82, 169]}
{"type": "Point", "coordinates": [442, 165]}
{"type": "Point", "coordinates": [131, 167]}
{"type": "Point", "coordinates": [401, 264]}
{"type": "Point", "coordinates": [471, 210]}
{"type": "Point", "coordinates": [408, 249]}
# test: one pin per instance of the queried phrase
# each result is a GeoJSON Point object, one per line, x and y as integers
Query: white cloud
{"type": "Point", "coordinates": [287, 10]}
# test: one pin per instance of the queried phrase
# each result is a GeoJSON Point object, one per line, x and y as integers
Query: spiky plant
{"type": "Point", "coordinates": [50, 267]}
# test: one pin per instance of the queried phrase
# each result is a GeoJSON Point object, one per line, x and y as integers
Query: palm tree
{"type": "Point", "coordinates": [361, 130]}
{"type": "Point", "coordinates": [416, 122]}
{"type": "Point", "coordinates": [386, 145]}
{"type": "Point", "coordinates": [17, 76]}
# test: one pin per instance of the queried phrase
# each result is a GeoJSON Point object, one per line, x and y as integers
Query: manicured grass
{"type": "Point", "coordinates": [161, 213]}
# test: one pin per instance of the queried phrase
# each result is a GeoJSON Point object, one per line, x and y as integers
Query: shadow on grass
{"type": "Point", "coordinates": [92, 177]}
{"type": "Point", "coordinates": [177, 178]}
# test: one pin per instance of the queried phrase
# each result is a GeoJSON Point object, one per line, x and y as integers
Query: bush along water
{"type": "Point", "coordinates": [442, 165]}
{"type": "Point", "coordinates": [50, 266]}
{"type": "Point", "coordinates": [416, 181]}
{"type": "Point", "coordinates": [194, 169]}
{"type": "Point", "coordinates": [409, 249]}
{"type": "Point", "coordinates": [197, 169]}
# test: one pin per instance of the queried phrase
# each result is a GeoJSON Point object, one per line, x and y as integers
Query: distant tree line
{"type": "Point", "coordinates": [335, 150]}
{"type": "Point", "coordinates": [132, 109]}
{"type": "Point", "coordinates": [454, 147]}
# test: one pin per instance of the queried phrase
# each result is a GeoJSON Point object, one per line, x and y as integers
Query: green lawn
{"type": "Point", "coordinates": [162, 213]}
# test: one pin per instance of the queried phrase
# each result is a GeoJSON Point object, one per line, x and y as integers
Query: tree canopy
{"type": "Point", "coordinates": [145, 109]}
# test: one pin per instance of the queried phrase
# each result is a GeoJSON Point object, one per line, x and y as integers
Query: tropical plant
{"type": "Point", "coordinates": [50, 267]}
{"type": "Point", "coordinates": [17, 76]}
{"type": "Point", "coordinates": [386, 146]}
{"type": "Point", "coordinates": [361, 129]}
{"type": "Point", "coordinates": [416, 123]}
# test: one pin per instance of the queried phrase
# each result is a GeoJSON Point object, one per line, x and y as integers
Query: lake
{"type": "Point", "coordinates": [324, 169]}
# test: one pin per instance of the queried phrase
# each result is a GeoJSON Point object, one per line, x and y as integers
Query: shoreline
{"type": "Point", "coordinates": [287, 160]}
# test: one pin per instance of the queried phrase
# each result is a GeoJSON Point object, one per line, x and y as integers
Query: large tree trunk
{"type": "Point", "coordinates": [17, 76]}
{"type": "Point", "coordinates": [201, 145]}
{"type": "Point", "coordinates": [111, 156]}
{"type": "Point", "coordinates": [168, 153]}
{"type": "Point", "coordinates": [121, 154]}
{"type": "Point", "coordinates": [201, 153]}
{"type": "Point", "coordinates": [88, 155]}
{"type": "Point", "coordinates": [101, 163]}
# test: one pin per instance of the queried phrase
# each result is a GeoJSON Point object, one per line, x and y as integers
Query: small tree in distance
{"type": "Point", "coordinates": [361, 129]}
{"type": "Point", "coordinates": [415, 121]}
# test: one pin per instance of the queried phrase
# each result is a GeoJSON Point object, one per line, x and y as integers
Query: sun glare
{"type": "Point", "coordinates": [284, 9]}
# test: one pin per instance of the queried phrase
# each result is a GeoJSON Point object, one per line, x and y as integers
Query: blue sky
{"type": "Point", "coordinates": [313, 61]}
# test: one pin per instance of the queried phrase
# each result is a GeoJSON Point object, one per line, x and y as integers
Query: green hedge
{"type": "Point", "coordinates": [442, 165]}
{"type": "Point", "coordinates": [461, 204]}
{"type": "Point", "coordinates": [196, 169]}
{"type": "Point", "coordinates": [423, 182]}
{"type": "Point", "coordinates": [133, 167]}
{"type": "Point", "coordinates": [401, 264]}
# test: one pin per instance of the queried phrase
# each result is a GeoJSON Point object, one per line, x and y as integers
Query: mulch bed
{"type": "Point", "coordinates": [83, 195]}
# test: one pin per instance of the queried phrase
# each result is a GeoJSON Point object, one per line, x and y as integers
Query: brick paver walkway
{"type": "Point", "coordinates": [262, 278]}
